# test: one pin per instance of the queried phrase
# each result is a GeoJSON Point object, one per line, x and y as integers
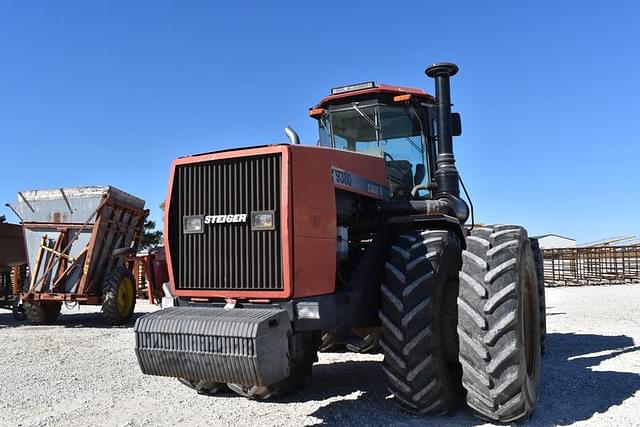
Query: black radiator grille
{"type": "Point", "coordinates": [228, 255]}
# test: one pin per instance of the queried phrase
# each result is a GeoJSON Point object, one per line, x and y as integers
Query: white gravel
{"type": "Point", "coordinates": [84, 373]}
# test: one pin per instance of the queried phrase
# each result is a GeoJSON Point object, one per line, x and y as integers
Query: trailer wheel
{"type": "Point", "coordinates": [42, 313]}
{"type": "Point", "coordinates": [539, 260]}
{"type": "Point", "coordinates": [119, 296]}
{"type": "Point", "coordinates": [418, 315]}
{"type": "Point", "coordinates": [300, 369]}
{"type": "Point", "coordinates": [17, 307]}
{"type": "Point", "coordinates": [499, 324]}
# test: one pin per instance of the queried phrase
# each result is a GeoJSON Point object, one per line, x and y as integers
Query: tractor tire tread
{"type": "Point", "coordinates": [414, 359]}
{"type": "Point", "coordinates": [42, 313]}
{"type": "Point", "coordinates": [489, 321]}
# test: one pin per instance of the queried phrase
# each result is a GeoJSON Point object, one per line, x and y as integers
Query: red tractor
{"type": "Point", "coordinates": [271, 248]}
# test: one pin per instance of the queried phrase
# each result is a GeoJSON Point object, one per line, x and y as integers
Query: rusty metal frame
{"type": "Point", "coordinates": [106, 235]}
{"type": "Point", "coordinates": [117, 231]}
{"type": "Point", "coordinates": [34, 274]}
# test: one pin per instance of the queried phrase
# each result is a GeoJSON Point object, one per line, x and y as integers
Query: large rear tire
{"type": "Point", "coordinates": [418, 316]}
{"type": "Point", "coordinates": [300, 368]}
{"type": "Point", "coordinates": [42, 313]}
{"type": "Point", "coordinates": [119, 296]}
{"type": "Point", "coordinates": [539, 260]}
{"type": "Point", "coordinates": [499, 325]}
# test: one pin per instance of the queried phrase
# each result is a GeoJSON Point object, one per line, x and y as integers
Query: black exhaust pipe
{"type": "Point", "coordinates": [446, 175]}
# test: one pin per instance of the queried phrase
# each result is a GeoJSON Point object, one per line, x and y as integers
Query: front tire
{"type": "Point", "coordinates": [119, 296]}
{"type": "Point", "coordinates": [300, 368]}
{"type": "Point", "coordinates": [418, 322]}
{"type": "Point", "coordinates": [499, 324]}
{"type": "Point", "coordinates": [203, 387]}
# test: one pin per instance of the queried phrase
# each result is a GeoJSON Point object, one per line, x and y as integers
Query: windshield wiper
{"type": "Point", "coordinates": [416, 146]}
{"type": "Point", "coordinates": [364, 116]}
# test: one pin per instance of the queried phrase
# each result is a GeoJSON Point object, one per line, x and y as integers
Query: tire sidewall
{"type": "Point", "coordinates": [530, 383]}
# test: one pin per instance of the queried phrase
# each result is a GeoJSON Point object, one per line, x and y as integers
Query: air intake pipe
{"type": "Point", "coordinates": [446, 175]}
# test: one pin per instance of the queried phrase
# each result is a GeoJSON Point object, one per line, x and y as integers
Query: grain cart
{"type": "Point", "coordinates": [271, 246]}
{"type": "Point", "coordinates": [77, 240]}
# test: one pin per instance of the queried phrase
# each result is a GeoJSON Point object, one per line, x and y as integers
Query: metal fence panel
{"type": "Point", "coordinates": [592, 265]}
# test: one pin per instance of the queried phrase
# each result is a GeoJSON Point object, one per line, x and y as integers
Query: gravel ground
{"type": "Point", "coordinates": [84, 373]}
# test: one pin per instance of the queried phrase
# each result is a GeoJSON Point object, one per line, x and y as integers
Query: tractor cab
{"type": "Point", "coordinates": [393, 122]}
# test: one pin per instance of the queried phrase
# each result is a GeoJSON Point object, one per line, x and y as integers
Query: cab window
{"type": "Point", "coordinates": [392, 132]}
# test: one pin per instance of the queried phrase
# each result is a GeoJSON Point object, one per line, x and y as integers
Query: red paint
{"type": "Point", "coordinates": [307, 215]}
{"type": "Point", "coordinates": [380, 88]}
{"type": "Point", "coordinates": [314, 211]}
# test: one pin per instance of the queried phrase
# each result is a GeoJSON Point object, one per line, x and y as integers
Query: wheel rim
{"type": "Point", "coordinates": [124, 297]}
{"type": "Point", "coordinates": [528, 323]}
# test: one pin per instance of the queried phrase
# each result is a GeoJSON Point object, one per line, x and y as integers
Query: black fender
{"type": "Point", "coordinates": [429, 222]}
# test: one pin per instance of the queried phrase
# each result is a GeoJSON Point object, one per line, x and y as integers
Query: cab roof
{"type": "Point", "coordinates": [366, 88]}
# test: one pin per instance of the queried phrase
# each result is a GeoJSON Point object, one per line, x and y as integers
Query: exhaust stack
{"type": "Point", "coordinates": [292, 135]}
{"type": "Point", "coordinates": [446, 175]}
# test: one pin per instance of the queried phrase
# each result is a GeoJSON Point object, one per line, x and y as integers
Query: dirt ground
{"type": "Point", "coordinates": [84, 373]}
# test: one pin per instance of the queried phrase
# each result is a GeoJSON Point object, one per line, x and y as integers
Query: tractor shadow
{"type": "Point", "coordinates": [69, 319]}
{"type": "Point", "coordinates": [571, 389]}
{"type": "Point", "coordinates": [7, 320]}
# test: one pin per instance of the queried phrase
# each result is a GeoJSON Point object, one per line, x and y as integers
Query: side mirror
{"type": "Point", "coordinates": [456, 124]}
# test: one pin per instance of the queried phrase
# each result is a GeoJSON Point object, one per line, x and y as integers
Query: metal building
{"type": "Point", "coordinates": [554, 241]}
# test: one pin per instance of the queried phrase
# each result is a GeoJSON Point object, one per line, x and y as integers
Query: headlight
{"type": "Point", "coordinates": [264, 220]}
{"type": "Point", "coordinates": [308, 310]}
{"type": "Point", "coordinates": [192, 224]}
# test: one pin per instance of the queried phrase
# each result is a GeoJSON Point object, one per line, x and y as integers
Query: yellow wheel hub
{"type": "Point", "coordinates": [125, 297]}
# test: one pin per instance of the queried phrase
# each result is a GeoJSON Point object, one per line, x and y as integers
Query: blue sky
{"type": "Point", "coordinates": [109, 92]}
